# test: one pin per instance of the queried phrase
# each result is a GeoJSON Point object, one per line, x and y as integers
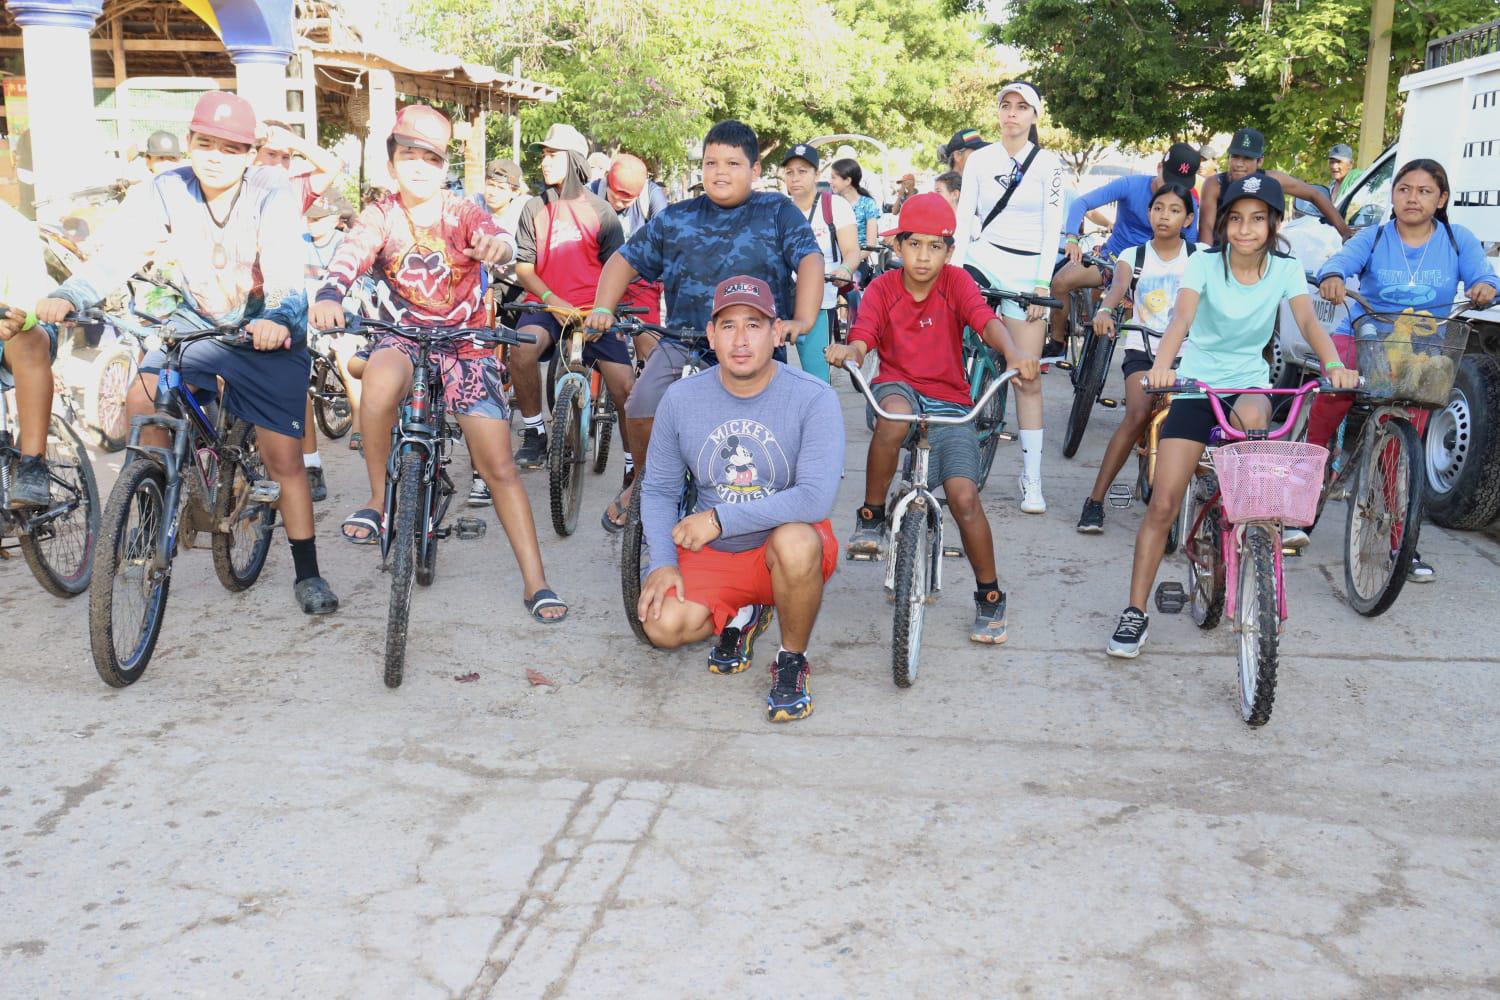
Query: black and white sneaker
{"type": "Point", "coordinates": [479, 493]}
{"type": "Point", "coordinates": [1054, 349]}
{"type": "Point", "coordinates": [1420, 571]}
{"type": "Point", "coordinates": [1130, 634]}
{"type": "Point", "coordinates": [1091, 521]}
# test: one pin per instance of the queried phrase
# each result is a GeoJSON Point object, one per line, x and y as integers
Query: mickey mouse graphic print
{"type": "Point", "coordinates": [742, 460]}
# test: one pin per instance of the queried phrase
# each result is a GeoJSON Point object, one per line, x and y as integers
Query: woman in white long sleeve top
{"type": "Point", "coordinates": [1016, 249]}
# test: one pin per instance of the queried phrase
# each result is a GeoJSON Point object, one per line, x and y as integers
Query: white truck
{"type": "Point", "coordinates": [1452, 115]}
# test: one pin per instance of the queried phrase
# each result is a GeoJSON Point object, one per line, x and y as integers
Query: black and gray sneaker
{"type": "Point", "coordinates": [317, 483]}
{"type": "Point", "coordinates": [32, 485]}
{"type": "Point", "coordinates": [1054, 349]}
{"type": "Point", "coordinates": [865, 542]}
{"type": "Point", "coordinates": [1130, 634]}
{"type": "Point", "coordinates": [790, 698]}
{"type": "Point", "coordinates": [479, 493]}
{"type": "Point", "coordinates": [1091, 521]}
{"type": "Point", "coordinates": [1420, 571]}
{"type": "Point", "coordinates": [533, 451]}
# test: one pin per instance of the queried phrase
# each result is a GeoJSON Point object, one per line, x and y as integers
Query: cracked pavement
{"type": "Point", "coordinates": [259, 816]}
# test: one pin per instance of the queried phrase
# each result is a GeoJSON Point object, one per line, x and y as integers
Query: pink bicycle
{"type": "Point", "coordinates": [1248, 486]}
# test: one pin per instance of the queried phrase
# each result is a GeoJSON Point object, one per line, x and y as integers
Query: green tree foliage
{"type": "Point", "coordinates": [651, 77]}
{"type": "Point", "coordinates": [1309, 68]}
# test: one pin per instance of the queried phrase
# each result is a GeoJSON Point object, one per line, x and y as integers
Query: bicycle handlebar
{"type": "Point", "coordinates": [683, 335]}
{"type": "Point", "coordinates": [930, 418]}
{"type": "Point", "coordinates": [1025, 299]}
{"type": "Point", "coordinates": [437, 334]}
{"type": "Point", "coordinates": [1302, 394]}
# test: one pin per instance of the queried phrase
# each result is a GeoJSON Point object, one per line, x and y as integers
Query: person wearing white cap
{"type": "Point", "coordinates": [1010, 217]}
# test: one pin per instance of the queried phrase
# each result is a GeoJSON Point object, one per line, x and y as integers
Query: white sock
{"type": "Point", "coordinates": [629, 463]}
{"type": "Point", "coordinates": [1031, 454]}
{"type": "Point", "coordinates": [742, 617]}
{"type": "Point", "coordinates": [802, 653]}
{"type": "Point", "coordinates": [313, 461]}
{"type": "Point", "coordinates": [534, 423]}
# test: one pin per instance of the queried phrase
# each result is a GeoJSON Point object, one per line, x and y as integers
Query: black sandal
{"type": "Point", "coordinates": [610, 524]}
{"type": "Point", "coordinates": [542, 600]}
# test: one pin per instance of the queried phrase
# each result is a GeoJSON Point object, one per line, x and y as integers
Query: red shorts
{"type": "Point", "coordinates": [726, 581]}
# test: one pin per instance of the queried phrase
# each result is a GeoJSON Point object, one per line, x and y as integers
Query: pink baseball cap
{"type": "Point", "coordinates": [224, 116]}
{"type": "Point", "coordinates": [743, 290]}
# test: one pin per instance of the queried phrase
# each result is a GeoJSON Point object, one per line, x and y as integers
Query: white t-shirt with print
{"type": "Point", "coordinates": [1155, 291]}
{"type": "Point", "coordinates": [843, 215]}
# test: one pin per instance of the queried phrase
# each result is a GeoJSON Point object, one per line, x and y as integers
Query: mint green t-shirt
{"type": "Point", "coordinates": [1234, 322]}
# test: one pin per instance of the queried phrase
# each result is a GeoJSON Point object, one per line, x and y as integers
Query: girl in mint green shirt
{"type": "Point", "coordinates": [1226, 312]}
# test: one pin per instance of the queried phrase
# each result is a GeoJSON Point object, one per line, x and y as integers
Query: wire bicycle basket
{"type": "Point", "coordinates": [1409, 358]}
{"type": "Point", "coordinates": [1270, 480]}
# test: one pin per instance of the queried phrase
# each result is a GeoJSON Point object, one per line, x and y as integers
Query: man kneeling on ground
{"type": "Point", "coordinates": [765, 446]}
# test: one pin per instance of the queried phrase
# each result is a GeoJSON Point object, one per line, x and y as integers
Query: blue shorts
{"type": "Point", "coordinates": [264, 388]}
{"type": "Point", "coordinates": [7, 382]}
{"type": "Point", "coordinates": [610, 347]}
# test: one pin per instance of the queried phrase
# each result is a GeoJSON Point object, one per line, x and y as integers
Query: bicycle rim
{"type": "Point", "coordinates": [1200, 550]}
{"type": "Point", "coordinates": [565, 460]}
{"type": "Point", "coordinates": [913, 584]}
{"type": "Point", "coordinates": [331, 401]}
{"type": "Point", "coordinates": [114, 383]}
{"type": "Point", "coordinates": [242, 529]}
{"type": "Point", "coordinates": [403, 565]}
{"type": "Point", "coordinates": [61, 551]}
{"type": "Point", "coordinates": [1257, 617]}
{"type": "Point", "coordinates": [128, 593]}
{"type": "Point", "coordinates": [1384, 517]}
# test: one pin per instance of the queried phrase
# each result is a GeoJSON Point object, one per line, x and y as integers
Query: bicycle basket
{"type": "Point", "coordinates": [1270, 480]}
{"type": "Point", "coordinates": [1408, 357]}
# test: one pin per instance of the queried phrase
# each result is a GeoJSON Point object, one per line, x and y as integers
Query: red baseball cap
{"type": "Point", "coordinates": [743, 290]}
{"type": "Point", "coordinates": [928, 214]}
{"type": "Point", "coordinates": [224, 116]}
{"type": "Point", "coordinates": [423, 127]}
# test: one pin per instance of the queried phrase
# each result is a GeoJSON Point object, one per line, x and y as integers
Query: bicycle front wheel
{"type": "Point", "coordinates": [403, 554]}
{"type": "Point", "coordinates": [1087, 386]}
{"type": "Point", "coordinates": [128, 592]}
{"type": "Point", "coordinates": [60, 551]}
{"type": "Point", "coordinates": [242, 528]}
{"type": "Point", "coordinates": [565, 460]}
{"type": "Point", "coordinates": [604, 425]}
{"type": "Point", "coordinates": [1257, 618]}
{"type": "Point", "coordinates": [1198, 538]}
{"type": "Point", "coordinates": [914, 545]}
{"type": "Point", "coordinates": [331, 399]}
{"type": "Point", "coordinates": [1384, 517]}
{"type": "Point", "coordinates": [632, 545]}
{"type": "Point", "coordinates": [989, 423]}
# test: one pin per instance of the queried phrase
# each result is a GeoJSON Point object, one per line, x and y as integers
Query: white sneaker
{"type": "Point", "coordinates": [1031, 496]}
{"type": "Point", "coordinates": [1295, 539]}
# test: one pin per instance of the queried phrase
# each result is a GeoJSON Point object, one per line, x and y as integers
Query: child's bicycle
{"type": "Point", "coordinates": [1248, 485]}
{"type": "Point", "coordinates": [913, 531]}
{"type": "Point", "coordinates": [983, 366]}
{"type": "Point", "coordinates": [1408, 364]}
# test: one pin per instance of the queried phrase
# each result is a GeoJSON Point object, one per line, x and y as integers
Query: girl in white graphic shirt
{"type": "Point", "coordinates": [1015, 247]}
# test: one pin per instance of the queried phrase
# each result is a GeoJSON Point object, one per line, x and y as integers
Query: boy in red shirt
{"type": "Point", "coordinates": [914, 318]}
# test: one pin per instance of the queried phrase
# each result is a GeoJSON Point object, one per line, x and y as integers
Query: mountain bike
{"type": "Point", "coordinates": [1247, 486]}
{"type": "Point", "coordinates": [983, 367]}
{"type": "Point", "coordinates": [58, 540]}
{"type": "Point", "coordinates": [634, 555]}
{"type": "Point", "coordinates": [418, 490]}
{"type": "Point", "coordinates": [1089, 367]}
{"type": "Point", "coordinates": [913, 530]}
{"type": "Point", "coordinates": [209, 478]}
{"type": "Point", "coordinates": [1408, 364]}
{"type": "Point", "coordinates": [1121, 496]}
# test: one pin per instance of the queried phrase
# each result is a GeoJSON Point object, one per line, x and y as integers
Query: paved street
{"type": "Point", "coordinates": [261, 817]}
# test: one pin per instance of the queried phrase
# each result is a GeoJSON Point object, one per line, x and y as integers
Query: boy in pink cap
{"type": "Point", "coordinates": [914, 318]}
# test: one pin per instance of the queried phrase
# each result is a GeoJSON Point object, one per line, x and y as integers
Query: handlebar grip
{"type": "Point", "coordinates": [524, 338]}
{"type": "Point", "coordinates": [1048, 303]}
{"type": "Point", "coordinates": [630, 310]}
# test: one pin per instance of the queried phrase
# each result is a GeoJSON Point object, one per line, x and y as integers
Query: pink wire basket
{"type": "Point", "coordinates": [1270, 480]}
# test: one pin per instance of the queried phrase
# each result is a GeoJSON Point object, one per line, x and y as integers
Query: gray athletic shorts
{"type": "Point", "coordinates": [663, 367]}
{"type": "Point", "coordinates": [954, 450]}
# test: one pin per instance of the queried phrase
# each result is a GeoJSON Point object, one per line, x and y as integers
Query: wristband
{"type": "Point", "coordinates": [601, 309]}
{"type": "Point", "coordinates": [546, 295]}
{"type": "Point", "coordinates": [30, 321]}
{"type": "Point", "coordinates": [1331, 365]}
{"type": "Point", "coordinates": [1071, 240]}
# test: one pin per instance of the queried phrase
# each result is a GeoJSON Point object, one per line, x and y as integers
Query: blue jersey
{"type": "Point", "coordinates": [1131, 197]}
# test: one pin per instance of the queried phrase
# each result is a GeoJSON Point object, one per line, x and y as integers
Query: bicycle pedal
{"type": "Point", "coordinates": [265, 491]}
{"type": "Point", "coordinates": [1170, 598]}
{"type": "Point", "coordinates": [1005, 436]}
{"type": "Point", "coordinates": [1120, 496]}
{"type": "Point", "coordinates": [469, 528]}
{"type": "Point", "coordinates": [1108, 404]}
{"type": "Point", "coordinates": [1063, 366]}
{"type": "Point", "coordinates": [953, 551]}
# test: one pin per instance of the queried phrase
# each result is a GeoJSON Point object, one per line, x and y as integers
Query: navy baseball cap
{"type": "Point", "coordinates": [1262, 187]}
{"type": "Point", "coordinates": [1247, 142]}
{"type": "Point", "coordinates": [802, 151]}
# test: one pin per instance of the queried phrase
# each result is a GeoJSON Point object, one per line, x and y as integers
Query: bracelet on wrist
{"type": "Point", "coordinates": [545, 295]}
{"type": "Point", "coordinates": [1072, 240]}
{"type": "Point", "coordinates": [602, 309]}
{"type": "Point", "coordinates": [30, 321]}
{"type": "Point", "coordinates": [1329, 366]}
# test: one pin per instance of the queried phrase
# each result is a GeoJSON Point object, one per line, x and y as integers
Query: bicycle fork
{"type": "Point", "coordinates": [1233, 542]}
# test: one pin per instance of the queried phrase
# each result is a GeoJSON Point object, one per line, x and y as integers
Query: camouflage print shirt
{"type": "Point", "coordinates": [693, 245]}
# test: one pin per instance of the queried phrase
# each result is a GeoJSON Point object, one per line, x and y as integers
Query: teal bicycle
{"type": "Point", "coordinates": [983, 367]}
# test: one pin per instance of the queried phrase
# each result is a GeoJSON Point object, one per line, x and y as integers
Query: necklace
{"type": "Point", "coordinates": [1411, 274]}
{"type": "Point", "coordinates": [220, 255]}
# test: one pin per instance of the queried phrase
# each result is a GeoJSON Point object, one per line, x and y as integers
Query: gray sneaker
{"type": "Point", "coordinates": [1130, 634]}
{"type": "Point", "coordinates": [31, 486]}
{"type": "Point", "coordinates": [317, 483]}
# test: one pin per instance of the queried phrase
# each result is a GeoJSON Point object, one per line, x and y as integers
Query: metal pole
{"type": "Point", "coordinates": [515, 115]}
{"type": "Point", "coordinates": [1377, 77]}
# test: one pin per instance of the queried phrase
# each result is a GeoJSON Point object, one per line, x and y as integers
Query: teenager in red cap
{"type": "Point", "coordinates": [231, 234]}
{"type": "Point", "coordinates": [914, 318]}
{"type": "Point", "coordinates": [430, 247]}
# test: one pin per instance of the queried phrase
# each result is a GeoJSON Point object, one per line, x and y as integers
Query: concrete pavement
{"type": "Point", "coordinates": [259, 816]}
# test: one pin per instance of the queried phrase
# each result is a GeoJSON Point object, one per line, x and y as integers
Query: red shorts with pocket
{"type": "Point", "coordinates": [724, 582]}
